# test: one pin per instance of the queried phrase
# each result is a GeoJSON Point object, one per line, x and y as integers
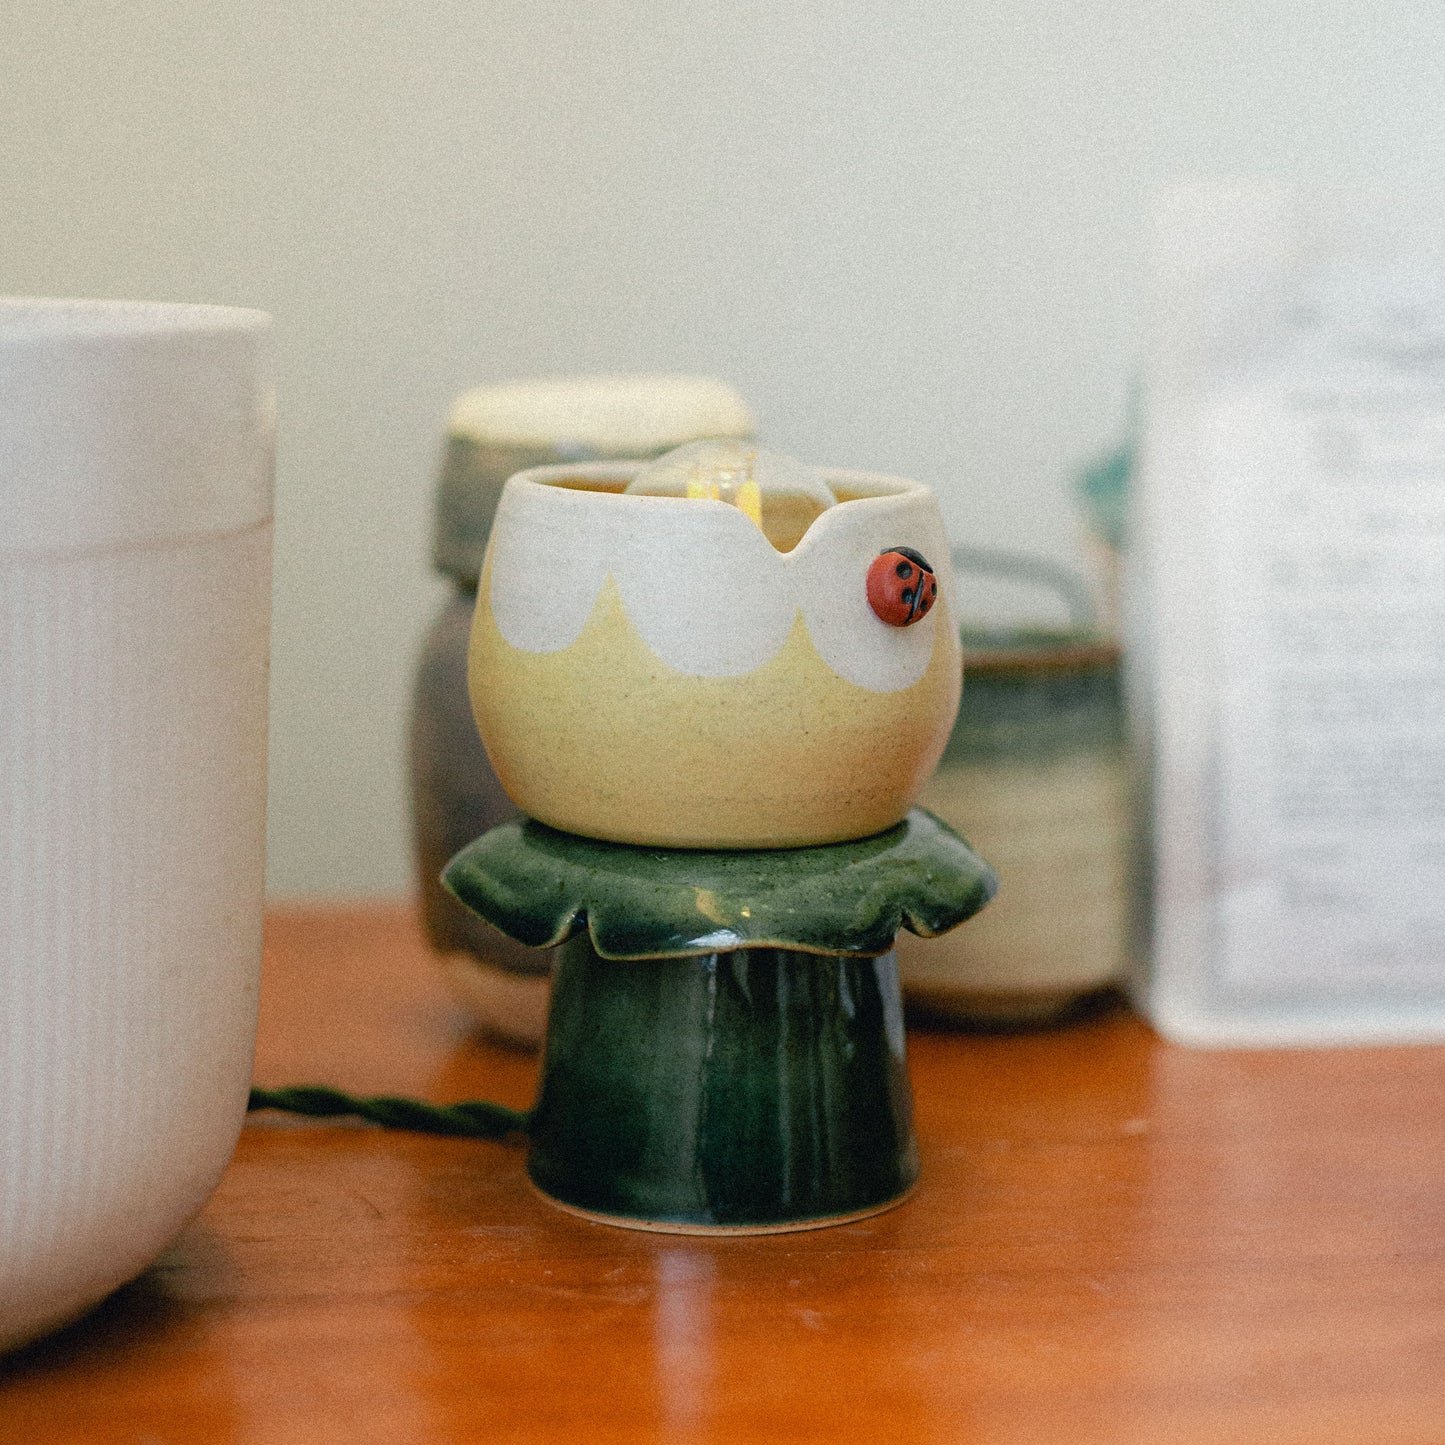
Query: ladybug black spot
{"type": "Point", "coordinates": [915, 557]}
{"type": "Point", "coordinates": [904, 570]}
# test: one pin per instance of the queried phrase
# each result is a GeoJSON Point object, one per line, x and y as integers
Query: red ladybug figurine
{"type": "Point", "coordinates": [901, 586]}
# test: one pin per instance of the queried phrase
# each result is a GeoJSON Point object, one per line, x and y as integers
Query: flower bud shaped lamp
{"type": "Point", "coordinates": [716, 683]}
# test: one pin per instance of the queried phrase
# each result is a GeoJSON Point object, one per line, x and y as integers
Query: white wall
{"type": "Point", "coordinates": [910, 231]}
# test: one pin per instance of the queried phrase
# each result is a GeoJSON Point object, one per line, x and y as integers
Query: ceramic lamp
{"type": "Point", "coordinates": [717, 684]}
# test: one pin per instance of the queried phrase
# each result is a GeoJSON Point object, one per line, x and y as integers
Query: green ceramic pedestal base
{"type": "Point", "coordinates": [752, 1091]}
{"type": "Point", "coordinates": [725, 1048]}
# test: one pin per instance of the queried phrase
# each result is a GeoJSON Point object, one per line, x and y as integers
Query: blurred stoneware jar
{"type": "Point", "coordinates": [135, 562]}
{"type": "Point", "coordinates": [1034, 776]}
{"type": "Point", "coordinates": [494, 432]}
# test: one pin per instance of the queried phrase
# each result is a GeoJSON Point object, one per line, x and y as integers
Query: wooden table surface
{"type": "Point", "coordinates": [1114, 1240]}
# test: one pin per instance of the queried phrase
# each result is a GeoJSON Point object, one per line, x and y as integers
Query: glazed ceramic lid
{"type": "Point", "coordinates": [105, 440]}
{"type": "Point", "coordinates": [495, 431]}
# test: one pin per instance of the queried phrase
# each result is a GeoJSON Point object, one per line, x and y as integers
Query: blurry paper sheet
{"type": "Point", "coordinates": [1306, 755]}
{"type": "Point", "coordinates": [1328, 540]}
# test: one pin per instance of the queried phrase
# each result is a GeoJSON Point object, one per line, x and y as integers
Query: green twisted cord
{"type": "Point", "coordinates": [472, 1119]}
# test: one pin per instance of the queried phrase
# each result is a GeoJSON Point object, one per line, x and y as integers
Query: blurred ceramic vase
{"type": "Point", "coordinates": [1034, 776]}
{"type": "Point", "coordinates": [494, 432]}
{"type": "Point", "coordinates": [672, 660]}
{"type": "Point", "coordinates": [135, 486]}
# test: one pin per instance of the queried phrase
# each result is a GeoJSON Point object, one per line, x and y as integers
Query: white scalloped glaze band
{"type": "Point", "coordinates": [705, 589]}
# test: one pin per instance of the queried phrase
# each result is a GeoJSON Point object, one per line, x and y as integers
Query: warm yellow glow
{"type": "Point", "coordinates": [780, 495]}
{"type": "Point", "coordinates": [746, 498]}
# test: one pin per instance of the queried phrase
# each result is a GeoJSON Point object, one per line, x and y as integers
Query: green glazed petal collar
{"type": "Point", "coordinates": [542, 886]}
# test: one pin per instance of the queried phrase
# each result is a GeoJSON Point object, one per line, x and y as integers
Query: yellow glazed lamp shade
{"type": "Point", "coordinates": [664, 670]}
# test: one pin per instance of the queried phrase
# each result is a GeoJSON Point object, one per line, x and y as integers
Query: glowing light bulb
{"type": "Point", "coordinates": [737, 488]}
{"type": "Point", "coordinates": [740, 474]}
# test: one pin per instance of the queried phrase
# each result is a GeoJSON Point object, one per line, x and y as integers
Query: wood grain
{"type": "Point", "coordinates": [1114, 1241]}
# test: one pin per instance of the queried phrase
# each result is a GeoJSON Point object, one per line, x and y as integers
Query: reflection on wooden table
{"type": "Point", "coordinates": [1114, 1240]}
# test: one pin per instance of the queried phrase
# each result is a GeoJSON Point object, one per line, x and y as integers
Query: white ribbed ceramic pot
{"type": "Point", "coordinates": [136, 449]}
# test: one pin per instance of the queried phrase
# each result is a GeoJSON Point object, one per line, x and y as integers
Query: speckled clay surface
{"type": "Point", "coordinates": [654, 670]}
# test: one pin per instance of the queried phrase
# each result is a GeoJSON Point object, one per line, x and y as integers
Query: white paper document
{"type": "Point", "coordinates": [1289, 613]}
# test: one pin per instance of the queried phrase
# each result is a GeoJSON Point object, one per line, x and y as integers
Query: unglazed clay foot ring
{"type": "Point", "coordinates": [901, 586]}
